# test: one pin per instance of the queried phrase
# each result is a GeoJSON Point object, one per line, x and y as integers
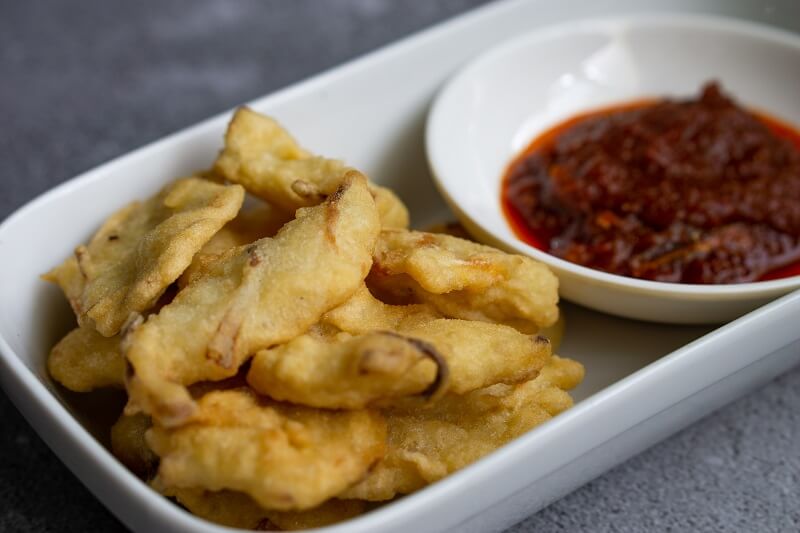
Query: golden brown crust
{"type": "Point", "coordinates": [385, 359]}
{"type": "Point", "coordinates": [284, 457]}
{"type": "Point", "coordinates": [141, 249]}
{"type": "Point", "coordinates": [463, 279]}
{"type": "Point", "coordinates": [426, 445]}
{"type": "Point", "coordinates": [349, 372]}
{"type": "Point", "coordinates": [84, 361]}
{"type": "Point", "coordinates": [264, 158]}
{"type": "Point", "coordinates": [240, 305]}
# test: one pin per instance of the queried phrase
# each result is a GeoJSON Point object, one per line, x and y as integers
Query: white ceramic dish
{"type": "Point", "coordinates": [494, 107]}
{"type": "Point", "coordinates": [634, 394]}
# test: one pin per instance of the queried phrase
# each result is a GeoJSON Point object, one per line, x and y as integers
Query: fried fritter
{"type": "Point", "coordinates": [463, 279]}
{"type": "Point", "coordinates": [382, 368]}
{"type": "Point", "coordinates": [84, 360]}
{"type": "Point", "coordinates": [426, 445]}
{"type": "Point", "coordinates": [141, 249]}
{"type": "Point", "coordinates": [363, 313]}
{"type": "Point", "coordinates": [251, 298]}
{"type": "Point", "coordinates": [129, 446]}
{"type": "Point", "coordinates": [479, 354]}
{"type": "Point", "coordinates": [234, 509]}
{"type": "Point", "coordinates": [250, 225]}
{"type": "Point", "coordinates": [385, 359]}
{"type": "Point", "coordinates": [284, 457]}
{"type": "Point", "coordinates": [268, 162]}
{"type": "Point", "coordinates": [349, 372]}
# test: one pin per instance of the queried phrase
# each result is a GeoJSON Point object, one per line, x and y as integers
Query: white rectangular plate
{"type": "Point", "coordinates": [643, 382]}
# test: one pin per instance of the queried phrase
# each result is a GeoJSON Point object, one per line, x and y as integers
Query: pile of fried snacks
{"type": "Point", "coordinates": [292, 353]}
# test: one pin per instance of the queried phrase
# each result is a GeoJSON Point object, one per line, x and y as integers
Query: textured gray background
{"type": "Point", "coordinates": [83, 82]}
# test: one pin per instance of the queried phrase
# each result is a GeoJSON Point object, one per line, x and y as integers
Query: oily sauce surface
{"type": "Point", "coordinates": [690, 191]}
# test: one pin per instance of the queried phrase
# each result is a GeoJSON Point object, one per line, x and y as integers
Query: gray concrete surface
{"type": "Point", "coordinates": [83, 82]}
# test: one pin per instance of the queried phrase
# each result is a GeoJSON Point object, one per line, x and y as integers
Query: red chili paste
{"type": "Point", "coordinates": [690, 191]}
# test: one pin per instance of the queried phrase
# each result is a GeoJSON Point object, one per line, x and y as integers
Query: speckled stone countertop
{"type": "Point", "coordinates": [84, 82]}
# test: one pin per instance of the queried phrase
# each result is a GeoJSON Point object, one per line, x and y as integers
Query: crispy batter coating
{"type": "Point", "coordinates": [234, 509]}
{"type": "Point", "coordinates": [284, 457]}
{"type": "Point", "coordinates": [253, 297]}
{"type": "Point", "coordinates": [463, 279]}
{"type": "Point", "coordinates": [84, 360]}
{"type": "Point", "coordinates": [480, 354]}
{"type": "Point", "coordinates": [268, 162]}
{"type": "Point", "coordinates": [383, 368]}
{"type": "Point", "coordinates": [362, 313]}
{"type": "Point", "coordinates": [427, 444]}
{"type": "Point", "coordinates": [349, 372]}
{"type": "Point", "coordinates": [385, 359]}
{"type": "Point", "coordinates": [440, 263]}
{"type": "Point", "coordinates": [141, 249]}
{"type": "Point", "coordinates": [250, 225]}
{"type": "Point", "coordinates": [129, 446]}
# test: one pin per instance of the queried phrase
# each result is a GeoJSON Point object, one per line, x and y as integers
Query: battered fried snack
{"type": "Point", "coordinates": [385, 359]}
{"type": "Point", "coordinates": [382, 368]}
{"type": "Point", "coordinates": [234, 509]}
{"type": "Point", "coordinates": [251, 298]}
{"type": "Point", "coordinates": [250, 225]}
{"type": "Point", "coordinates": [129, 446]}
{"type": "Point", "coordinates": [350, 372]}
{"type": "Point", "coordinates": [463, 279]}
{"type": "Point", "coordinates": [141, 249]}
{"type": "Point", "coordinates": [84, 361]}
{"type": "Point", "coordinates": [480, 354]}
{"type": "Point", "coordinates": [426, 445]}
{"type": "Point", "coordinates": [363, 313]}
{"type": "Point", "coordinates": [268, 162]}
{"type": "Point", "coordinates": [284, 457]}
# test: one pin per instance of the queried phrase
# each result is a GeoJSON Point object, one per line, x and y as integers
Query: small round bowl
{"type": "Point", "coordinates": [496, 105]}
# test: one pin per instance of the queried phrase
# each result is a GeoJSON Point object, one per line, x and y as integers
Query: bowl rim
{"type": "Point", "coordinates": [434, 121]}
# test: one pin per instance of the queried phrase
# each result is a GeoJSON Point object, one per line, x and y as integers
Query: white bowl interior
{"type": "Point", "coordinates": [491, 110]}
